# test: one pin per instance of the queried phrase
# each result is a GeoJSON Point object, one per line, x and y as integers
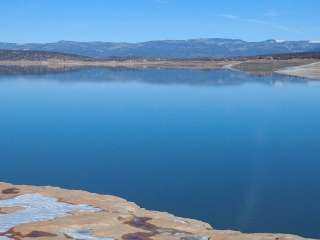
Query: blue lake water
{"type": "Point", "coordinates": [238, 151]}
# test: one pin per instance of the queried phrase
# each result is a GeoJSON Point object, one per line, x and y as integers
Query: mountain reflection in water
{"type": "Point", "coordinates": [152, 76]}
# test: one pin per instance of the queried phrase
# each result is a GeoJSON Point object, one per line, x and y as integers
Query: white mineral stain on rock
{"type": "Point", "coordinates": [82, 235]}
{"type": "Point", "coordinates": [36, 208]}
{"type": "Point", "coordinates": [195, 238]}
{"type": "Point", "coordinates": [4, 238]}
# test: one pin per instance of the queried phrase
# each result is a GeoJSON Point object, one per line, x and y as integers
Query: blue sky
{"type": "Point", "coordinates": [141, 20]}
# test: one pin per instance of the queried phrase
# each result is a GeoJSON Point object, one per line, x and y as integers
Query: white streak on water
{"type": "Point", "coordinates": [36, 208]}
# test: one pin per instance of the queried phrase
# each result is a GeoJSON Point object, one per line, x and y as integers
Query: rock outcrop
{"type": "Point", "coordinates": [28, 212]}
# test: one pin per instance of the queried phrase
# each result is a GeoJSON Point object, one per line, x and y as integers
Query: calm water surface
{"type": "Point", "coordinates": [238, 151]}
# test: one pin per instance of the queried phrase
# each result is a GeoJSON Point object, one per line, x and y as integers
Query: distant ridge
{"type": "Point", "coordinates": [31, 55]}
{"type": "Point", "coordinates": [170, 49]}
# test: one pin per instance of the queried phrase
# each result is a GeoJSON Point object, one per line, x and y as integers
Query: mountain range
{"type": "Point", "coordinates": [171, 49]}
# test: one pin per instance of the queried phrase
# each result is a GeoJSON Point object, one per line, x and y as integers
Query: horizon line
{"type": "Point", "coordinates": [158, 40]}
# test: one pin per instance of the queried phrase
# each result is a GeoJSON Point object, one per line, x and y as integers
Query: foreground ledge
{"type": "Point", "coordinates": [28, 212]}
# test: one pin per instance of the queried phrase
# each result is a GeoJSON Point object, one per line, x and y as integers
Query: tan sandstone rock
{"type": "Point", "coordinates": [67, 214]}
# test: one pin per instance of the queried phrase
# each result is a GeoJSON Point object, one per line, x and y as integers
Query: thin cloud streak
{"type": "Point", "coordinates": [229, 16]}
{"type": "Point", "coordinates": [260, 22]}
{"type": "Point", "coordinates": [162, 1]}
{"type": "Point", "coordinates": [272, 13]}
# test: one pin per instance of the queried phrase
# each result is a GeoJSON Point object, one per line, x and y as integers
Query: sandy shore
{"type": "Point", "coordinates": [311, 71]}
{"type": "Point", "coordinates": [53, 64]}
{"type": "Point", "coordinates": [43, 213]}
{"type": "Point", "coordinates": [307, 68]}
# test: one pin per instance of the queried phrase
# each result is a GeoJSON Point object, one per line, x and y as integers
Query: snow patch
{"type": "Point", "coordinates": [314, 41]}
